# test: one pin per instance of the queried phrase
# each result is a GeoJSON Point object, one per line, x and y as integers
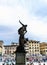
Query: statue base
{"type": "Point", "coordinates": [20, 49]}
{"type": "Point", "coordinates": [20, 58]}
{"type": "Point", "coordinates": [20, 55]}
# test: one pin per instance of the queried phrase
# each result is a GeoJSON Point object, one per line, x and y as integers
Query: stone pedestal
{"type": "Point", "coordinates": [20, 58]}
{"type": "Point", "coordinates": [20, 55]}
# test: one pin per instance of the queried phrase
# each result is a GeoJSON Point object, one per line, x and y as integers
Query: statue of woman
{"type": "Point", "coordinates": [22, 30]}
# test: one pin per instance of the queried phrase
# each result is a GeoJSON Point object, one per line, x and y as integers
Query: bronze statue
{"type": "Point", "coordinates": [22, 40]}
{"type": "Point", "coordinates": [22, 30]}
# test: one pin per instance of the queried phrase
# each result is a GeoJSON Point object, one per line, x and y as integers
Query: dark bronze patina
{"type": "Point", "coordinates": [22, 40]}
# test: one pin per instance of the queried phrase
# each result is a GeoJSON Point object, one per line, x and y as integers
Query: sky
{"type": "Point", "coordinates": [30, 12]}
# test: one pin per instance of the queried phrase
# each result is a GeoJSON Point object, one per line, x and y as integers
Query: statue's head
{"type": "Point", "coordinates": [25, 25]}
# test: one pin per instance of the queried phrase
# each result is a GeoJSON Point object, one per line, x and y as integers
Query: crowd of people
{"type": "Point", "coordinates": [39, 63]}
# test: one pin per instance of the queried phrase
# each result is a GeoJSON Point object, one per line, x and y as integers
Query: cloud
{"type": "Point", "coordinates": [8, 35]}
{"type": "Point", "coordinates": [30, 12]}
{"type": "Point", "coordinates": [39, 8]}
{"type": "Point", "coordinates": [10, 16]}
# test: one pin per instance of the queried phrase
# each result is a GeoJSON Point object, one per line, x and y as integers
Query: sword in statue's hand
{"type": "Point", "coordinates": [22, 24]}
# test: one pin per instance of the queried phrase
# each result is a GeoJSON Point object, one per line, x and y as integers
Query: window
{"type": "Point", "coordinates": [10, 51]}
{"type": "Point", "coordinates": [5, 48]}
{"type": "Point", "coordinates": [35, 47]}
{"type": "Point", "coordinates": [10, 47]}
{"type": "Point", "coordinates": [36, 50]}
{"type": "Point", "coordinates": [37, 44]}
{"type": "Point", "coordinates": [29, 47]}
{"type": "Point", "coordinates": [30, 50]}
{"type": "Point", "coordinates": [13, 47]}
{"type": "Point", "coordinates": [5, 52]}
{"type": "Point", "coordinates": [32, 47]}
{"type": "Point", "coordinates": [46, 50]}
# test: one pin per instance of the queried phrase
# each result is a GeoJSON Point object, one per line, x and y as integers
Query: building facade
{"type": "Point", "coordinates": [33, 47]}
{"type": "Point", "coordinates": [43, 48]}
{"type": "Point", "coordinates": [10, 49]}
{"type": "Point", "coordinates": [1, 48]}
